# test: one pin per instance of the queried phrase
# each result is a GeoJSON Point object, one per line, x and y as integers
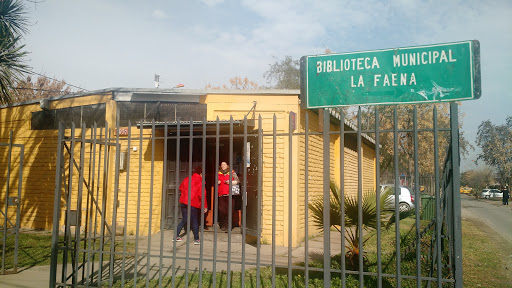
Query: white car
{"type": "Point", "coordinates": [405, 198]}
{"type": "Point", "coordinates": [489, 193]}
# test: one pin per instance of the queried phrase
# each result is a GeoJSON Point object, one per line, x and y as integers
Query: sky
{"type": "Point", "coordinates": [102, 44]}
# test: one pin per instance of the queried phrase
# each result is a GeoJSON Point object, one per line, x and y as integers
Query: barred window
{"type": "Point", "coordinates": [49, 119]}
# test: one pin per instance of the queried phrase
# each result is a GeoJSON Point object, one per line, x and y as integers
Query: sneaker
{"type": "Point", "coordinates": [197, 242]}
{"type": "Point", "coordinates": [177, 239]}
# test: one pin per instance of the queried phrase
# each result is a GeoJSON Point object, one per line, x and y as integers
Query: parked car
{"type": "Point", "coordinates": [489, 193]}
{"type": "Point", "coordinates": [405, 198]}
{"type": "Point", "coordinates": [465, 190]}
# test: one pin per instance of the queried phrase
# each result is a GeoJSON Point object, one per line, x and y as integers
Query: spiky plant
{"type": "Point", "coordinates": [368, 221]}
{"type": "Point", "coordinates": [13, 24]}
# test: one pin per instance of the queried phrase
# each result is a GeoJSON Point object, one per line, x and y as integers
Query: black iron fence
{"type": "Point", "coordinates": [117, 205]}
{"type": "Point", "coordinates": [11, 161]}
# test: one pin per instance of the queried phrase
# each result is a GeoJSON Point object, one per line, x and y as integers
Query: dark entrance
{"type": "Point", "coordinates": [194, 153]}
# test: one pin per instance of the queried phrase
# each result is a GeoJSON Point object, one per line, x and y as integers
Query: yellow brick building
{"type": "Point", "coordinates": [137, 191]}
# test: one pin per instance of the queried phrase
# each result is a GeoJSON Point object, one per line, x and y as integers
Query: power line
{"type": "Point", "coordinates": [35, 89]}
{"type": "Point", "coordinates": [39, 74]}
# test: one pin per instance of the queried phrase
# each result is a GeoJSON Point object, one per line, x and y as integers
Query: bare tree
{"type": "Point", "coordinates": [43, 87]}
{"type": "Point", "coordinates": [236, 82]}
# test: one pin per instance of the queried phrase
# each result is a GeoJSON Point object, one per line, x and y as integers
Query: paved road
{"type": "Point", "coordinates": [491, 212]}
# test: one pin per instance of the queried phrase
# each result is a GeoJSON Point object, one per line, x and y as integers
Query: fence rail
{"type": "Point", "coordinates": [117, 204]}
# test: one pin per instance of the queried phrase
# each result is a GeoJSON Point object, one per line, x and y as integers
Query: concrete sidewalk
{"type": "Point", "coordinates": [38, 276]}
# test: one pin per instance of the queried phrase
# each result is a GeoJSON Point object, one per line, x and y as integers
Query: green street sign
{"type": "Point", "coordinates": [422, 74]}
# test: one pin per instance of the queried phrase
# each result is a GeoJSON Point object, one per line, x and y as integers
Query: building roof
{"type": "Point", "coordinates": [182, 96]}
{"type": "Point", "coordinates": [162, 95]}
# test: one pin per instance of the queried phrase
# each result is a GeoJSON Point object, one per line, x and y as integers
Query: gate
{"type": "Point", "coordinates": [10, 204]}
{"type": "Point", "coordinates": [115, 219]}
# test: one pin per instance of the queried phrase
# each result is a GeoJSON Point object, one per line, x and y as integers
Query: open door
{"type": "Point", "coordinates": [252, 149]}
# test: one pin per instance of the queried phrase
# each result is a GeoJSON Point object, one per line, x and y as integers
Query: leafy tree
{"type": "Point", "coordinates": [284, 73]}
{"type": "Point", "coordinates": [43, 87]}
{"type": "Point", "coordinates": [477, 179]}
{"type": "Point", "coordinates": [13, 23]}
{"type": "Point", "coordinates": [495, 142]}
{"type": "Point", "coordinates": [406, 139]}
{"type": "Point", "coordinates": [236, 83]}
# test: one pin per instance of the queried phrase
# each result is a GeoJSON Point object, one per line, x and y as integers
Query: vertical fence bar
{"type": "Point", "coordinates": [326, 198]}
{"type": "Point", "coordinates": [90, 207]}
{"type": "Point", "coordinates": [216, 204]}
{"type": "Point", "coordinates": [290, 194]}
{"type": "Point", "coordinates": [176, 200]}
{"type": "Point", "coordinates": [377, 194]}
{"type": "Point", "coordinates": [56, 208]}
{"type": "Point", "coordinates": [18, 208]}
{"type": "Point", "coordinates": [162, 208]}
{"type": "Point", "coordinates": [417, 197]}
{"type": "Point", "coordinates": [148, 267]}
{"type": "Point", "coordinates": [260, 178]}
{"type": "Point", "coordinates": [360, 198]}
{"type": "Point", "coordinates": [97, 204]}
{"type": "Point", "coordinates": [203, 203]}
{"type": "Point", "coordinates": [274, 179]}
{"type": "Point", "coordinates": [230, 198]}
{"type": "Point", "coordinates": [244, 201]}
{"type": "Point", "coordinates": [139, 191]}
{"type": "Point", "coordinates": [457, 229]}
{"type": "Point", "coordinates": [103, 203]}
{"type": "Point", "coordinates": [79, 201]}
{"type": "Point", "coordinates": [7, 182]}
{"type": "Point", "coordinates": [67, 233]}
{"type": "Point", "coordinates": [397, 193]}
{"type": "Point", "coordinates": [342, 195]}
{"type": "Point", "coordinates": [439, 216]}
{"type": "Point", "coordinates": [126, 198]}
{"type": "Point", "coordinates": [189, 197]}
{"type": "Point", "coordinates": [114, 205]}
{"type": "Point", "coordinates": [306, 202]}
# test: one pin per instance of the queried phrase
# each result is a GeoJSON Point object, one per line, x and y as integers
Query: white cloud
{"type": "Point", "coordinates": [159, 14]}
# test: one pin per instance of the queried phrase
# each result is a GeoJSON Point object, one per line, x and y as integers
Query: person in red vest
{"type": "Point", "coordinates": [223, 181]}
{"type": "Point", "coordinates": [196, 197]}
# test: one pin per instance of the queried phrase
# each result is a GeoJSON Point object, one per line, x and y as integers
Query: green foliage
{"type": "Point", "coordinates": [284, 73]}
{"type": "Point", "coordinates": [478, 179]}
{"type": "Point", "coordinates": [351, 209]}
{"type": "Point", "coordinates": [494, 140]}
{"type": "Point", "coordinates": [12, 25]}
{"type": "Point", "coordinates": [405, 141]}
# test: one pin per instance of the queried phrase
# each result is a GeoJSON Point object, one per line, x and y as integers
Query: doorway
{"type": "Point", "coordinates": [211, 168]}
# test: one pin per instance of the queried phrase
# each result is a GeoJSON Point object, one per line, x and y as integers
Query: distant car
{"type": "Point", "coordinates": [490, 193]}
{"type": "Point", "coordinates": [405, 198]}
{"type": "Point", "coordinates": [465, 190]}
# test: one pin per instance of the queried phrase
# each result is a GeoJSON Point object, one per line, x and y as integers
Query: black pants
{"type": "Point", "coordinates": [224, 211]}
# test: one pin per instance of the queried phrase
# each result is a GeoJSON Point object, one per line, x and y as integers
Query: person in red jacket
{"type": "Point", "coordinates": [223, 181]}
{"type": "Point", "coordinates": [195, 204]}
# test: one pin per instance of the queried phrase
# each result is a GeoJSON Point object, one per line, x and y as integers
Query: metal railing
{"type": "Point", "coordinates": [10, 210]}
{"type": "Point", "coordinates": [114, 219]}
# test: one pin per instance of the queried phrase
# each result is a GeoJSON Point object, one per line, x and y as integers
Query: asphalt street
{"type": "Point", "coordinates": [489, 211]}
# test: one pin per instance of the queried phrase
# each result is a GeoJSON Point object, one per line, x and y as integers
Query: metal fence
{"type": "Point", "coordinates": [116, 206]}
{"type": "Point", "coordinates": [10, 210]}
